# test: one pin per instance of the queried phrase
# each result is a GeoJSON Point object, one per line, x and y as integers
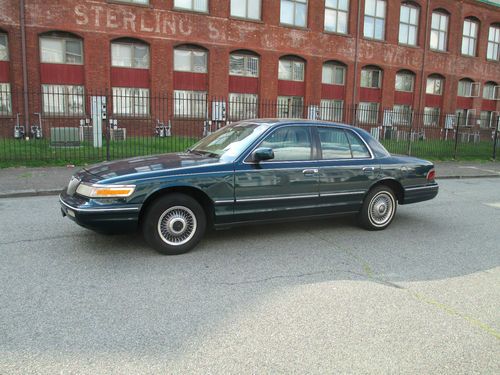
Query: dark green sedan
{"type": "Point", "coordinates": [248, 172]}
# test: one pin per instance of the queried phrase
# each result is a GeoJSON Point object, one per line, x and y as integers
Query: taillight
{"type": "Point", "coordinates": [431, 175]}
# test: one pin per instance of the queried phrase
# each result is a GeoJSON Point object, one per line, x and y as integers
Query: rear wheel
{"type": "Point", "coordinates": [379, 208]}
{"type": "Point", "coordinates": [174, 224]}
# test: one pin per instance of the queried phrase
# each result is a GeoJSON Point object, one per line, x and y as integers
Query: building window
{"type": "Point", "coordinates": [465, 117]}
{"type": "Point", "coordinates": [491, 91]}
{"type": "Point", "coordinates": [130, 101]}
{"type": "Point", "coordinates": [294, 12]}
{"type": "Point", "coordinates": [246, 9]}
{"type": "Point", "coordinates": [402, 114]}
{"type": "Point", "coordinates": [493, 52]}
{"type": "Point", "coordinates": [368, 113]}
{"type": "Point", "coordinates": [5, 100]}
{"type": "Point", "coordinates": [245, 65]}
{"type": "Point", "coordinates": [434, 86]}
{"type": "Point", "coordinates": [130, 55]}
{"type": "Point", "coordinates": [469, 38]}
{"type": "Point", "coordinates": [405, 81]}
{"type": "Point", "coordinates": [191, 104]}
{"type": "Point", "coordinates": [336, 16]}
{"type": "Point", "coordinates": [291, 70]}
{"type": "Point", "coordinates": [242, 106]}
{"type": "Point", "coordinates": [4, 48]}
{"type": "Point", "coordinates": [290, 106]}
{"type": "Point", "coordinates": [333, 74]}
{"type": "Point", "coordinates": [193, 5]}
{"type": "Point", "coordinates": [190, 60]}
{"type": "Point", "coordinates": [439, 31]}
{"type": "Point", "coordinates": [331, 110]}
{"type": "Point", "coordinates": [371, 78]}
{"type": "Point", "coordinates": [486, 119]}
{"type": "Point", "coordinates": [431, 116]}
{"type": "Point", "coordinates": [468, 88]}
{"type": "Point", "coordinates": [374, 27]}
{"type": "Point", "coordinates": [141, 2]}
{"type": "Point", "coordinates": [61, 50]}
{"type": "Point", "coordinates": [63, 100]}
{"type": "Point", "coordinates": [408, 25]}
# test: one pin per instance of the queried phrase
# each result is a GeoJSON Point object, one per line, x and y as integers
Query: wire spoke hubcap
{"type": "Point", "coordinates": [177, 225]}
{"type": "Point", "coordinates": [381, 208]}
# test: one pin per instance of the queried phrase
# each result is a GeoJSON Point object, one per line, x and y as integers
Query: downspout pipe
{"type": "Point", "coordinates": [25, 68]}
{"type": "Point", "coordinates": [356, 58]}
{"type": "Point", "coordinates": [423, 81]}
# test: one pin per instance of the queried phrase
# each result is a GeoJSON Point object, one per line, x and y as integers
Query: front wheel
{"type": "Point", "coordinates": [174, 224]}
{"type": "Point", "coordinates": [379, 208]}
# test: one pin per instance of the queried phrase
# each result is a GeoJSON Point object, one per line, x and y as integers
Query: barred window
{"type": "Point", "coordinates": [371, 78]}
{"type": "Point", "coordinates": [368, 113]}
{"type": "Point", "coordinates": [486, 119]}
{"type": "Point", "coordinates": [130, 101]}
{"type": "Point", "coordinates": [63, 100]}
{"type": "Point", "coordinates": [336, 16]}
{"type": "Point", "coordinates": [243, 65]}
{"type": "Point", "coordinates": [469, 37]}
{"type": "Point", "coordinates": [61, 49]}
{"type": "Point", "coordinates": [191, 104]}
{"type": "Point", "coordinates": [405, 81]}
{"type": "Point", "coordinates": [331, 109]}
{"type": "Point", "coordinates": [408, 24]}
{"type": "Point", "coordinates": [291, 70]}
{"type": "Point", "coordinates": [465, 117]}
{"type": "Point", "coordinates": [5, 99]}
{"type": "Point", "coordinates": [402, 114]}
{"type": "Point", "coordinates": [374, 26]}
{"type": "Point", "coordinates": [4, 47]}
{"type": "Point", "coordinates": [493, 51]}
{"type": "Point", "coordinates": [130, 55]}
{"type": "Point", "coordinates": [193, 5]}
{"type": "Point", "coordinates": [246, 9]}
{"type": "Point", "coordinates": [333, 74]}
{"type": "Point", "coordinates": [190, 60]}
{"type": "Point", "coordinates": [431, 116]}
{"type": "Point", "coordinates": [242, 106]}
{"type": "Point", "coordinates": [294, 12]}
{"type": "Point", "coordinates": [434, 85]}
{"type": "Point", "coordinates": [439, 31]}
{"type": "Point", "coordinates": [290, 107]}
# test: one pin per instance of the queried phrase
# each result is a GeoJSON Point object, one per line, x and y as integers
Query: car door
{"type": "Point", "coordinates": [284, 187]}
{"type": "Point", "coordinates": [347, 169]}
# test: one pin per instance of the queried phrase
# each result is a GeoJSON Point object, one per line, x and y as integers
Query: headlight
{"type": "Point", "coordinates": [105, 191]}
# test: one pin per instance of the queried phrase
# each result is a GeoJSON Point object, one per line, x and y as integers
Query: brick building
{"type": "Point", "coordinates": [428, 56]}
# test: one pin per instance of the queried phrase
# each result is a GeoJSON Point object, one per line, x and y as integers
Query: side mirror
{"type": "Point", "coordinates": [263, 153]}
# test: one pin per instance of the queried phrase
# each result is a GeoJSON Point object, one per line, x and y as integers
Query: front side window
{"type": "Point", "coordinates": [192, 104]}
{"type": "Point", "coordinates": [294, 12]}
{"type": "Point", "coordinates": [63, 100]}
{"type": "Point", "coordinates": [5, 100]}
{"type": "Point", "coordinates": [408, 25]}
{"type": "Point", "coordinates": [190, 60]}
{"type": "Point", "coordinates": [290, 143]}
{"type": "Point", "coordinates": [193, 5]}
{"type": "Point", "coordinates": [243, 65]}
{"type": "Point", "coordinates": [434, 86]}
{"type": "Point", "coordinates": [291, 70]}
{"type": "Point", "coordinates": [405, 81]}
{"type": "Point", "coordinates": [469, 38]}
{"type": "Point", "coordinates": [371, 78]}
{"type": "Point", "coordinates": [333, 74]}
{"type": "Point", "coordinates": [374, 27]}
{"type": "Point", "coordinates": [246, 9]}
{"type": "Point", "coordinates": [130, 55]}
{"type": "Point", "coordinates": [402, 114]}
{"type": "Point", "coordinates": [290, 106]}
{"type": "Point", "coordinates": [490, 91]}
{"type": "Point", "coordinates": [493, 51]}
{"type": "Point", "coordinates": [242, 106]}
{"type": "Point", "coordinates": [331, 110]}
{"type": "Point", "coordinates": [439, 31]}
{"type": "Point", "coordinates": [4, 47]}
{"type": "Point", "coordinates": [336, 16]}
{"type": "Point", "coordinates": [368, 113]}
{"type": "Point", "coordinates": [431, 116]}
{"type": "Point", "coordinates": [130, 101]}
{"type": "Point", "coordinates": [61, 50]}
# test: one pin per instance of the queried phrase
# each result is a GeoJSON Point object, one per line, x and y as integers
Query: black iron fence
{"type": "Point", "coordinates": [66, 125]}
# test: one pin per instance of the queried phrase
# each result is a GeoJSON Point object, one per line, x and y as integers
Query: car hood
{"type": "Point", "coordinates": [145, 164]}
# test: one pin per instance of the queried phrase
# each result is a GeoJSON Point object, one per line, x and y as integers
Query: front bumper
{"type": "Point", "coordinates": [102, 217]}
{"type": "Point", "coordinates": [420, 193]}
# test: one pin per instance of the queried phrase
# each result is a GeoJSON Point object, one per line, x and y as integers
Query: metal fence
{"type": "Point", "coordinates": [66, 125]}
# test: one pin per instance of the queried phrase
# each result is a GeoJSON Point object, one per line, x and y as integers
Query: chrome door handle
{"type": "Point", "coordinates": [368, 169]}
{"type": "Point", "coordinates": [310, 171]}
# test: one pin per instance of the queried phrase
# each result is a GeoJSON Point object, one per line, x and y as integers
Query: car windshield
{"type": "Point", "coordinates": [230, 141]}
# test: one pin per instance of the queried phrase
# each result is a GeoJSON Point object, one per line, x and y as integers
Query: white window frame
{"type": "Point", "coordinates": [334, 67]}
{"type": "Point", "coordinates": [472, 91]}
{"type": "Point", "coordinates": [243, 106]}
{"type": "Point", "coordinates": [486, 116]}
{"type": "Point", "coordinates": [407, 24]}
{"type": "Point", "coordinates": [439, 31]}
{"type": "Point", "coordinates": [369, 72]}
{"type": "Point", "coordinates": [469, 37]}
{"type": "Point", "coordinates": [489, 91]}
{"type": "Point", "coordinates": [63, 40]}
{"type": "Point", "coordinates": [203, 8]}
{"type": "Point", "coordinates": [431, 116]}
{"type": "Point", "coordinates": [297, 72]}
{"type": "Point", "coordinates": [135, 2]}
{"type": "Point", "coordinates": [402, 114]}
{"type": "Point", "coordinates": [335, 9]}
{"type": "Point", "coordinates": [493, 50]}
{"type": "Point", "coordinates": [405, 75]}
{"type": "Point", "coordinates": [131, 101]}
{"type": "Point", "coordinates": [467, 113]}
{"type": "Point", "coordinates": [368, 113]}
{"type": "Point", "coordinates": [290, 106]}
{"type": "Point", "coordinates": [295, 5]}
{"type": "Point", "coordinates": [190, 104]}
{"type": "Point", "coordinates": [5, 99]}
{"type": "Point", "coordinates": [248, 61]}
{"type": "Point", "coordinates": [133, 52]}
{"type": "Point", "coordinates": [332, 110]}
{"type": "Point", "coordinates": [192, 54]}
{"type": "Point", "coordinates": [4, 47]}
{"type": "Point", "coordinates": [61, 100]}
{"type": "Point", "coordinates": [432, 82]}
{"type": "Point", "coordinates": [377, 17]}
{"type": "Point", "coordinates": [249, 4]}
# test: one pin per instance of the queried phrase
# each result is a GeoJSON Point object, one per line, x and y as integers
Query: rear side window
{"type": "Point", "coordinates": [290, 143]}
{"type": "Point", "coordinates": [358, 148]}
{"type": "Point", "coordinates": [334, 143]}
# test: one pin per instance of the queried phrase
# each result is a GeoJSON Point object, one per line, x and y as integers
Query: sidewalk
{"type": "Point", "coordinates": [22, 182]}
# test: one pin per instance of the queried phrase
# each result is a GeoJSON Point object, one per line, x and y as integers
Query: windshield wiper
{"type": "Point", "coordinates": [203, 153]}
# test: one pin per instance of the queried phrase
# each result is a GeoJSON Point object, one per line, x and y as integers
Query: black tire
{"type": "Point", "coordinates": [174, 224]}
{"type": "Point", "coordinates": [379, 208]}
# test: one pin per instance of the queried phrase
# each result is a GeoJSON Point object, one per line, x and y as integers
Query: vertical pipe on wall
{"type": "Point", "coordinates": [423, 80]}
{"type": "Point", "coordinates": [25, 68]}
{"type": "Point", "coordinates": [355, 91]}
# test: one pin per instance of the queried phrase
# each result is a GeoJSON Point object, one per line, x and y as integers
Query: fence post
{"type": "Point", "coordinates": [409, 136]}
{"type": "Point", "coordinates": [456, 137]}
{"type": "Point", "coordinates": [106, 124]}
{"type": "Point", "coordinates": [495, 138]}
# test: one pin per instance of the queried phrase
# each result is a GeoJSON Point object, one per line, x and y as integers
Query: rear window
{"type": "Point", "coordinates": [358, 147]}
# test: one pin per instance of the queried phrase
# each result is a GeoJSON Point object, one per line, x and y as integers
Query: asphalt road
{"type": "Point", "coordinates": [422, 297]}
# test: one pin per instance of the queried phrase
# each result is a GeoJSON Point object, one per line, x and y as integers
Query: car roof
{"type": "Point", "coordinates": [298, 121]}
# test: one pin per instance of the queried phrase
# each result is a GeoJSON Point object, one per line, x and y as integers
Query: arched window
{"type": "Point", "coordinates": [408, 24]}
{"type": "Point", "coordinates": [493, 51]}
{"type": "Point", "coordinates": [371, 77]}
{"type": "Point", "coordinates": [291, 68]}
{"type": "Point", "coordinates": [333, 73]}
{"type": "Point", "coordinates": [439, 30]}
{"type": "Point", "coordinates": [129, 53]}
{"type": "Point", "coordinates": [375, 13]}
{"type": "Point", "coordinates": [61, 48]}
{"type": "Point", "coordinates": [191, 59]}
{"type": "Point", "coordinates": [243, 63]}
{"type": "Point", "coordinates": [4, 47]}
{"type": "Point", "coordinates": [469, 36]}
{"type": "Point", "coordinates": [405, 81]}
{"type": "Point", "coordinates": [435, 85]}
{"type": "Point", "coordinates": [468, 88]}
{"type": "Point", "coordinates": [491, 91]}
